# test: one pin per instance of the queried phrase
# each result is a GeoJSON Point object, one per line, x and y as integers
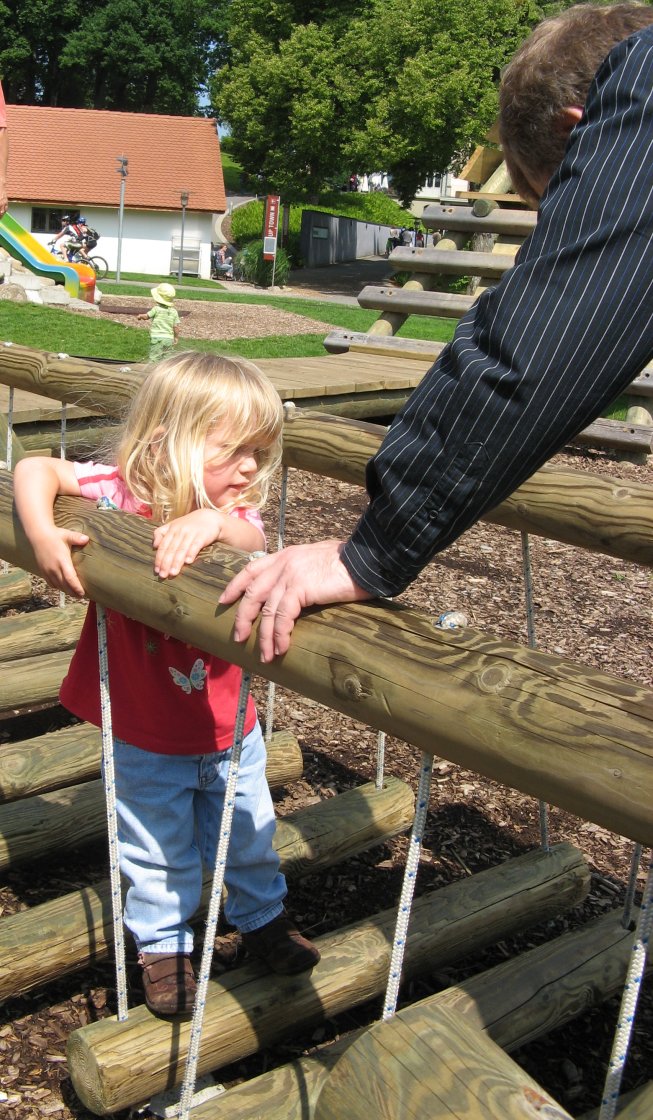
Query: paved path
{"type": "Point", "coordinates": [338, 283]}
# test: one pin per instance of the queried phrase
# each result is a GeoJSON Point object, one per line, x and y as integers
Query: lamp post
{"type": "Point", "coordinates": [122, 171]}
{"type": "Point", "coordinates": [184, 204]}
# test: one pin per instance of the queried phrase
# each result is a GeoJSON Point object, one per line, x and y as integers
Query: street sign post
{"type": "Point", "coordinates": [270, 230]}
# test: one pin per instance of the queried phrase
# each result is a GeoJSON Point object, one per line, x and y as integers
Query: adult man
{"type": "Point", "coordinates": [540, 355]}
{"type": "Point", "coordinates": [4, 154]}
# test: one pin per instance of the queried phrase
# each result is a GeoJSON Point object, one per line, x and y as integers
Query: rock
{"type": "Point", "coordinates": [14, 292]}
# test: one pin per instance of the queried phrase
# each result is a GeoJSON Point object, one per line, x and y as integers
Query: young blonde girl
{"type": "Point", "coordinates": [196, 454]}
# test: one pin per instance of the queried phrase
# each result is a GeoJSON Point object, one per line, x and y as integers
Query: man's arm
{"type": "Point", "coordinates": [534, 361]}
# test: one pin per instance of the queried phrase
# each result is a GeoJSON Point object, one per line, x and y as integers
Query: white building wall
{"type": "Point", "coordinates": [147, 237]}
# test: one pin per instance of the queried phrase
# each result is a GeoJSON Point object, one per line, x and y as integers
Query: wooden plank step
{"type": "Point", "coordinates": [617, 434]}
{"type": "Point", "coordinates": [419, 349]}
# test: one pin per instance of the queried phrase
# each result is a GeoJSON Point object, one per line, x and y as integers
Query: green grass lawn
{"type": "Point", "coordinates": [91, 336]}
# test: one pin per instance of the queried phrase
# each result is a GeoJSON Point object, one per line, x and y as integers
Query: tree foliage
{"type": "Point", "coordinates": [313, 92]}
{"type": "Point", "coordinates": [110, 54]}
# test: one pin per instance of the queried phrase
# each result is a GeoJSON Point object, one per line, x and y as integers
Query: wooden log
{"type": "Point", "coordinates": [15, 587]}
{"type": "Point", "coordinates": [619, 434]}
{"type": "Point", "coordinates": [82, 441]}
{"type": "Point", "coordinates": [599, 513]}
{"type": "Point", "coordinates": [434, 1064]}
{"type": "Point", "coordinates": [113, 1064]}
{"type": "Point", "coordinates": [565, 733]}
{"type": "Point", "coordinates": [406, 301]}
{"type": "Point", "coordinates": [463, 219]}
{"type": "Point", "coordinates": [341, 341]}
{"type": "Point", "coordinates": [72, 755]}
{"type": "Point", "coordinates": [75, 930]}
{"type": "Point", "coordinates": [515, 1002]}
{"type": "Point", "coordinates": [32, 681]}
{"type": "Point", "coordinates": [96, 386]}
{"type": "Point", "coordinates": [458, 263]}
{"type": "Point", "coordinates": [33, 827]}
{"type": "Point", "coordinates": [47, 631]}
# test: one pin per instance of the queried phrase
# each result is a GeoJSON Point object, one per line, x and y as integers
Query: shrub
{"type": "Point", "coordinates": [254, 269]}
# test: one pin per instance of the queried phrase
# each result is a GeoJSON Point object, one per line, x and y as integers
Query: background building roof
{"type": "Point", "coordinates": [69, 156]}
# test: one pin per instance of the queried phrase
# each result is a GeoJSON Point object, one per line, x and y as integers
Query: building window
{"type": "Point", "coordinates": [48, 221]}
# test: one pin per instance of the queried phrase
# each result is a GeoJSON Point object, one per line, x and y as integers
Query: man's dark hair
{"type": "Point", "coordinates": [551, 71]}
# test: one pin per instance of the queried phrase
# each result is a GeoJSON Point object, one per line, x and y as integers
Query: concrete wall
{"type": "Point", "coordinates": [147, 238]}
{"type": "Point", "coordinates": [328, 239]}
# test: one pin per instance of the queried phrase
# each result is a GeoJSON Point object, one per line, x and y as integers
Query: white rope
{"type": "Point", "coordinates": [636, 859]}
{"type": "Point", "coordinates": [629, 1000]}
{"type": "Point", "coordinates": [281, 534]}
{"type": "Point", "coordinates": [4, 567]}
{"type": "Point", "coordinates": [380, 759]}
{"type": "Point", "coordinates": [532, 642]}
{"type": "Point", "coordinates": [408, 888]}
{"type": "Point", "coordinates": [62, 455]}
{"type": "Point", "coordinates": [109, 777]}
{"type": "Point", "coordinates": [192, 1058]}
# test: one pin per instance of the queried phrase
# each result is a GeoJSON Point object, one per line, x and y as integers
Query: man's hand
{"type": "Point", "coordinates": [281, 585]}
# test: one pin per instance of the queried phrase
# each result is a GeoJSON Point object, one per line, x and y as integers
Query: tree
{"type": "Point", "coordinates": [313, 92]}
{"type": "Point", "coordinates": [117, 54]}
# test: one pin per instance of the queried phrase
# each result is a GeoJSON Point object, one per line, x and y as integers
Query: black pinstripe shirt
{"type": "Point", "coordinates": [539, 356]}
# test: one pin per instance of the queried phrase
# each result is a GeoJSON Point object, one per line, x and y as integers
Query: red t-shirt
{"type": "Point", "coordinates": [166, 696]}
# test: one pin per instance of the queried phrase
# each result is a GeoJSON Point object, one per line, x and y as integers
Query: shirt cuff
{"type": "Point", "coordinates": [374, 562]}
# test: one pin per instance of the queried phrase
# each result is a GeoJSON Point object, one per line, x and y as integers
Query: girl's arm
{"type": "Point", "coordinates": [37, 482]}
{"type": "Point", "coordinates": [178, 542]}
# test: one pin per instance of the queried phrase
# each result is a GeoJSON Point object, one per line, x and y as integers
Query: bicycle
{"type": "Point", "coordinates": [98, 264]}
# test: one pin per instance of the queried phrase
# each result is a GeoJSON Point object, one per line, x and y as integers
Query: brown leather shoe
{"type": "Point", "coordinates": [168, 982]}
{"type": "Point", "coordinates": [282, 947]}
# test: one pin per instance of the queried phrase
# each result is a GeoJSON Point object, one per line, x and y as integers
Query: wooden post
{"type": "Point", "coordinates": [32, 681]}
{"type": "Point", "coordinates": [113, 1064]}
{"type": "Point", "coordinates": [15, 587]}
{"type": "Point", "coordinates": [562, 732]}
{"type": "Point", "coordinates": [72, 931]}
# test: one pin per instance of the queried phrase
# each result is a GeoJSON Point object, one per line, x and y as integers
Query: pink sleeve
{"type": "Point", "coordinates": [97, 480]}
{"type": "Point", "coordinates": [251, 515]}
{"type": "Point", "coordinates": [3, 109]}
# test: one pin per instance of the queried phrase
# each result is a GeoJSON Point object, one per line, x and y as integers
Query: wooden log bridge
{"type": "Point", "coordinates": [114, 1064]}
{"type": "Point", "coordinates": [75, 930]}
{"type": "Point", "coordinates": [559, 731]}
{"type": "Point", "coordinates": [514, 1003]}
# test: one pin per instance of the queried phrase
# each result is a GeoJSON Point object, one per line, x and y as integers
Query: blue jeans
{"type": "Point", "coordinates": [169, 815]}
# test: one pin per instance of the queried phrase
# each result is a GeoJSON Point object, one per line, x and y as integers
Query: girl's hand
{"type": "Point", "coordinates": [178, 542]}
{"type": "Point", "coordinates": [53, 556]}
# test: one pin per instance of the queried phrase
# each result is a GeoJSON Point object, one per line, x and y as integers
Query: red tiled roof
{"type": "Point", "coordinates": [69, 156]}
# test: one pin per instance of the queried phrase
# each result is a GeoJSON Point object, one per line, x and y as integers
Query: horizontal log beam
{"type": "Point", "coordinates": [32, 682]}
{"type": "Point", "coordinates": [442, 305]}
{"type": "Point", "coordinates": [460, 262]}
{"type": "Point", "coordinates": [47, 631]}
{"type": "Point", "coordinates": [71, 756]}
{"type": "Point", "coordinates": [515, 1002]}
{"type": "Point", "coordinates": [619, 434]}
{"type": "Point", "coordinates": [15, 587]}
{"type": "Point", "coordinates": [113, 1065]}
{"type": "Point", "coordinates": [589, 511]}
{"type": "Point", "coordinates": [519, 223]}
{"type": "Point", "coordinates": [95, 386]}
{"type": "Point", "coordinates": [75, 930]}
{"type": "Point", "coordinates": [341, 342]}
{"type": "Point", "coordinates": [562, 732]}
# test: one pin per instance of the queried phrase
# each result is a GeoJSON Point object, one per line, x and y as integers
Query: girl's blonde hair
{"type": "Point", "coordinates": [160, 452]}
